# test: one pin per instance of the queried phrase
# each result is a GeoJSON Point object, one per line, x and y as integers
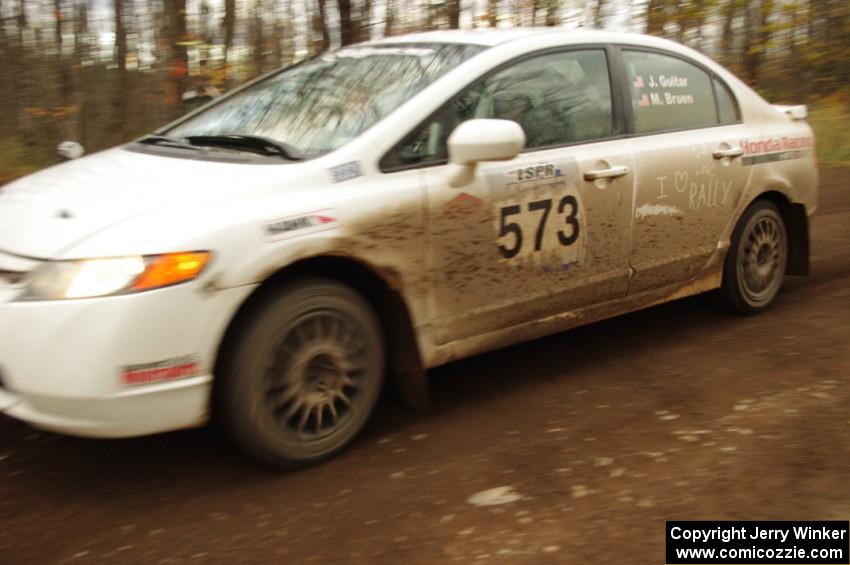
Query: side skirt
{"type": "Point", "coordinates": [559, 322]}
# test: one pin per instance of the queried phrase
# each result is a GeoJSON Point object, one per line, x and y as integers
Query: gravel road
{"type": "Point", "coordinates": [571, 449]}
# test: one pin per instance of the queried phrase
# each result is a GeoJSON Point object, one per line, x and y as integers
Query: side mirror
{"type": "Point", "coordinates": [198, 97]}
{"type": "Point", "coordinates": [798, 112]}
{"type": "Point", "coordinates": [481, 140]}
{"type": "Point", "coordinates": [69, 150]}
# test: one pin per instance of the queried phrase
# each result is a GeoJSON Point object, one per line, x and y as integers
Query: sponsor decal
{"type": "Point", "coordinates": [775, 149]}
{"type": "Point", "coordinates": [655, 98]}
{"type": "Point", "coordinates": [544, 178]}
{"type": "Point", "coordinates": [346, 171]}
{"type": "Point", "coordinates": [166, 370]}
{"type": "Point", "coordinates": [464, 203]}
{"type": "Point", "coordinates": [772, 145]}
{"type": "Point", "coordinates": [773, 157]}
{"type": "Point", "coordinates": [535, 172]}
{"type": "Point", "coordinates": [299, 225]}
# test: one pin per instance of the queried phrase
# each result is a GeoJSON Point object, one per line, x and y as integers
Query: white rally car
{"type": "Point", "coordinates": [383, 209]}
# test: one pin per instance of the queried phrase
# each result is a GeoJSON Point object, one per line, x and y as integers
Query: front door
{"type": "Point", "coordinates": [529, 238]}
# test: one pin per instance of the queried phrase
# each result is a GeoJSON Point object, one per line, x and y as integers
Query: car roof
{"type": "Point", "coordinates": [491, 37]}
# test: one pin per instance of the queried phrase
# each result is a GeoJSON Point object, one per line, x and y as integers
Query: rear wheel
{"type": "Point", "coordinates": [304, 375]}
{"type": "Point", "coordinates": [755, 265]}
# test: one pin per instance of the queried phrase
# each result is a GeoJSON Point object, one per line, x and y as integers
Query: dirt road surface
{"type": "Point", "coordinates": [598, 435]}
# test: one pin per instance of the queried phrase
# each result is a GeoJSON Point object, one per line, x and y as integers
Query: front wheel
{"type": "Point", "coordinates": [755, 265]}
{"type": "Point", "coordinates": [304, 374]}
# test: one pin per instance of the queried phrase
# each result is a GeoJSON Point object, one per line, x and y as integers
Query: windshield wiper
{"type": "Point", "coordinates": [156, 139]}
{"type": "Point", "coordinates": [254, 143]}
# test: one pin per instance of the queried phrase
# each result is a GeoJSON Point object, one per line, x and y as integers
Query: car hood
{"type": "Point", "coordinates": [50, 211]}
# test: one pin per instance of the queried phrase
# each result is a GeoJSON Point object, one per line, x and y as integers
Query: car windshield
{"type": "Point", "coordinates": [321, 104]}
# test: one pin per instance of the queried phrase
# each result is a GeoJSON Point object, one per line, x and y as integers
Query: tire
{"type": "Point", "coordinates": [755, 264]}
{"type": "Point", "coordinates": [304, 374]}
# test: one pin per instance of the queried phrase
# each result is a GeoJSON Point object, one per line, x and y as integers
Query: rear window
{"type": "Point", "coordinates": [726, 107]}
{"type": "Point", "coordinates": [668, 93]}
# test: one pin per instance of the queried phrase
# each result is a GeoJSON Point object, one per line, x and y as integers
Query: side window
{"type": "Point", "coordinates": [668, 93]}
{"type": "Point", "coordinates": [558, 98]}
{"type": "Point", "coordinates": [726, 104]}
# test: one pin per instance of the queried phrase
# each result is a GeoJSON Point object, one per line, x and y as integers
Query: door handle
{"type": "Point", "coordinates": [728, 153]}
{"type": "Point", "coordinates": [611, 173]}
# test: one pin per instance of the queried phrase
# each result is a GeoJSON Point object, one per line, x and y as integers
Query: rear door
{"type": "Point", "coordinates": [687, 132]}
{"type": "Point", "coordinates": [532, 237]}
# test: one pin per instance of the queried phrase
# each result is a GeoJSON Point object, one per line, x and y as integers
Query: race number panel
{"type": "Point", "coordinates": [538, 214]}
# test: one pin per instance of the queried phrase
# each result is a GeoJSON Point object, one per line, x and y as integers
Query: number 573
{"type": "Point", "coordinates": [568, 203]}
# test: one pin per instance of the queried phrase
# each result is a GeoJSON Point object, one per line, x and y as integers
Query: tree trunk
{"type": "Point", "coordinates": [259, 41]}
{"type": "Point", "coordinates": [322, 24]}
{"type": "Point", "coordinates": [120, 94]}
{"type": "Point", "coordinates": [389, 19]}
{"type": "Point", "coordinates": [179, 64]}
{"type": "Point", "coordinates": [278, 34]}
{"type": "Point", "coordinates": [288, 35]}
{"type": "Point", "coordinates": [493, 12]}
{"type": "Point", "coordinates": [453, 9]}
{"type": "Point", "coordinates": [750, 51]}
{"type": "Point", "coordinates": [63, 74]}
{"type": "Point", "coordinates": [552, 16]}
{"type": "Point", "coordinates": [7, 86]}
{"type": "Point", "coordinates": [229, 24]}
{"type": "Point", "coordinates": [598, 14]}
{"type": "Point", "coordinates": [757, 34]}
{"type": "Point", "coordinates": [842, 32]}
{"type": "Point", "coordinates": [18, 64]}
{"type": "Point", "coordinates": [346, 29]}
{"type": "Point", "coordinates": [681, 20]}
{"type": "Point", "coordinates": [356, 22]}
{"type": "Point", "coordinates": [365, 21]}
{"type": "Point", "coordinates": [726, 41]}
{"type": "Point", "coordinates": [81, 53]}
{"type": "Point", "coordinates": [656, 17]}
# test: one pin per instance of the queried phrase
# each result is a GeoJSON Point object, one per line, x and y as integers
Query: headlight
{"type": "Point", "coordinates": [88, 278]}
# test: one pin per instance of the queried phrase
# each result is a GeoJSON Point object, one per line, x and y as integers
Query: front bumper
{"type": "Point", "coordinates": [63, 363]}
{"type": "Point", "coordinates": [153, 409]}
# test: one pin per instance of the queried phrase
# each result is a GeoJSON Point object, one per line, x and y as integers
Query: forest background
{"type": "Point", "coordinates": [102, 72]}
